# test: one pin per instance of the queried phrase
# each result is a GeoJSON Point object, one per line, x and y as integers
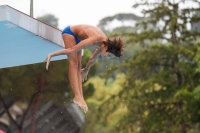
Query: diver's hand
{"type": "Point", "coordinates": [47, 60]}
{"type": "Point", "coordinates": [84, 73]}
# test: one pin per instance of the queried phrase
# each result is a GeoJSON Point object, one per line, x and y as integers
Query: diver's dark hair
{"type": "Point", "coordinates": [115, 46]}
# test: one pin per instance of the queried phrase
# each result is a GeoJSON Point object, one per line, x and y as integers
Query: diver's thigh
{"type": "Point", "coordinates": [69, 40]}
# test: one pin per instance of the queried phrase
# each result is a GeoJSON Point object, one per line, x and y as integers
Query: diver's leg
{"type": "Point", "coordinates": [73, 69]}
{"type": "Point", "coordinates": [79, 57]}
{"type": "Point", "coordinates": [79, 73]}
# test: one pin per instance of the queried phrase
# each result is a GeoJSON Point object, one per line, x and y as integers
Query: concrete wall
{"type": "Point", "coordinates": [33, 25]}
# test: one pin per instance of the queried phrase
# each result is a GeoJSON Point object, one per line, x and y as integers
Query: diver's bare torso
{"type": "Point", "coordinates": [87, 31]}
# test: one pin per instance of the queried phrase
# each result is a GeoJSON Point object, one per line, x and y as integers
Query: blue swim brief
{"type": "Point", "coordinates": [67, 30]}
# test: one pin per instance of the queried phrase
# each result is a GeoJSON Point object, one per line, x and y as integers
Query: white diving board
{"type": "Point", "coordinates": [25, 40]}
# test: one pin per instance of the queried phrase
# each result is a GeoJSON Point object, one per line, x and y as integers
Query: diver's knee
{"type": "Point", "coordinates": [73, 64]}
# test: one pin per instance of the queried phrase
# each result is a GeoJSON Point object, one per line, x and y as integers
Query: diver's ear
{"type": "Point", "coordinates": [104, 43]}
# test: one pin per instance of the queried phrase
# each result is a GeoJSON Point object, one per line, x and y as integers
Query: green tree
{"type": "Point", "coordinates": [175, 20]}
{"type": "Point", "coordinates": [160, 91]}
{"type": "Point", "coordinates": [31, 83]}
{"type": "Point", "coordinates": [102, 93]}
{"type": "Point", "coordinates": [49, 19]}
{"type": "Point", "coordinates": [122, 17]}
{"type": "Point", "coordinates": [159, 99]}
{"type": "Point", "coordinates": [34, 83]}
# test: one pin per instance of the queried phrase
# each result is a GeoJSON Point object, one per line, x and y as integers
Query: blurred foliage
{"type": "Point", "coordinates": [149, 97]}
{"type": "Point", "coordinates": [22, 83]}
{"type": "Point", "coordinates": [160, 91]}
{"type": "Point", "coordinates": [166, 20]}
{"type": "Point", "coordinates": [120, 17]}
{"type": "Point", "coordinates": [24, 80]}
{"type": "Point", "coordinates": [103, 92]}
{"type": "Point", "coordinates": [49, 19]}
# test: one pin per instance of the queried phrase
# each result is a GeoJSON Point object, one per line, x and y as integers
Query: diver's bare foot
{"type": "Point", "coordinates": [81, 103]}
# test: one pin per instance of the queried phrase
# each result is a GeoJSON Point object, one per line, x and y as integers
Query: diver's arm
{"type": "Point", "coordinates": [93, 59]}
{"type": "Point", "coordinates": [91, 62]}
{"type": "Point", "coordinates": [74, 49]}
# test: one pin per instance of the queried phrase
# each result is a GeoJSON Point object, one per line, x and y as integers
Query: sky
{"type": "Point", "coordinates": [71, 12]}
